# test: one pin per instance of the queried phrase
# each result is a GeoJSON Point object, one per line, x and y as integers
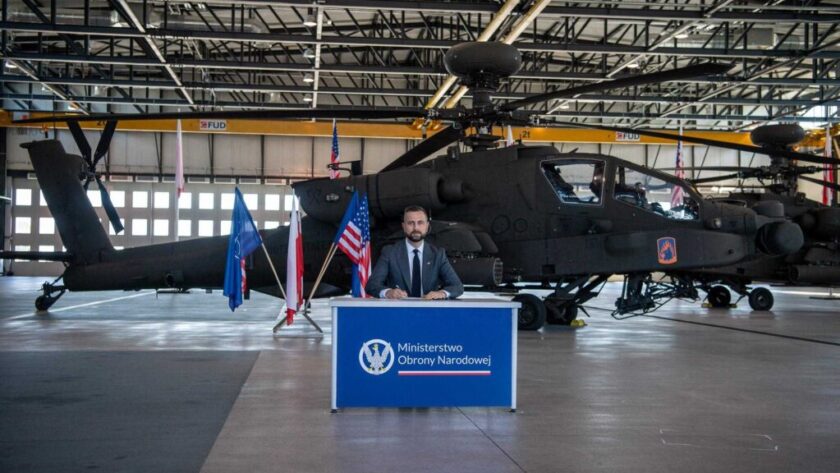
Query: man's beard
{"type": "Point", "coordinates": [415, 236]}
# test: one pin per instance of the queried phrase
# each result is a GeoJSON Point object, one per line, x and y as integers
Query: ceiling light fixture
{"type": "Point", "coordinates": [682, 35]}
{"type": "Point", "coordinates": [308, 78]}
{"type": "Point", "coordinates": [310, 19]}
{"type": "Point", "coordinates": [633, 65]}
{"type": "Point", "coordinates": [307, 98]}
{"type": "Point", "coordinates": [308, 53]}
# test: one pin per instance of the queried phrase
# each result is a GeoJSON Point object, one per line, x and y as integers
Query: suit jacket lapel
{"type": "Point", "coordinates": [402, 261]}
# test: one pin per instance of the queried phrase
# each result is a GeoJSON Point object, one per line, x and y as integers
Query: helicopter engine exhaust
{"type": "Point", "coordinates": [486, 271]}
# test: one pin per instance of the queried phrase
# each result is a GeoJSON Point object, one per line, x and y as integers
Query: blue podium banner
{"type": "Point", "coordinates": [413, 353]}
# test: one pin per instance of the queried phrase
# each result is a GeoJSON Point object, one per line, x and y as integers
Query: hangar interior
{"type": "Point", "coordinates": [147, 380]}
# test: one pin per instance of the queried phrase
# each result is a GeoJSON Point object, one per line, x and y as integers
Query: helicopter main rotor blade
{"type": "Point", "coordinates": [309, 113]}
{"type": "Point", "coordinates": [689, 72]}
{"type": "Point", "coordinates": [707, 168]}
{"type": "Point", "coordinates": [705, 141]}
{"type": "Point", "coordinates": [830, 185]}
{"type": "Point", "coordinates": [704, 180]}
{"type": "Point", "coordinates": [426, 147]}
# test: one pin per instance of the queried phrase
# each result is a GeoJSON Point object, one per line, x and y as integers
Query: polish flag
{"type": "Point", "coordinates": [294, 268]}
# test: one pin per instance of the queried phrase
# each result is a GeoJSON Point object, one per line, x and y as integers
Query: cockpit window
{"type": "Point", "coordinates": [576, 181]}
{"type": "Point", "coordinates": [650, 193]}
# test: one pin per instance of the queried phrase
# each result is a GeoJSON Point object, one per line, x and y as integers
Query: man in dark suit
{"type": "Point", "coordinates": [412, 267]}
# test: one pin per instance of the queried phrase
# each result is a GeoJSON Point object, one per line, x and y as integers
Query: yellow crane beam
{"type": "Point", "coordinates": [373, 130]}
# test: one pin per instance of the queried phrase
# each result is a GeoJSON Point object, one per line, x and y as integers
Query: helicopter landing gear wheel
{"type": "Point", "coordinates": [532, 312]}
{"type": "Point", "coordinates": [761, 299]}
{"type": "Point", "coordinates": [719, 297]}
{"type": "Point", "coordinates": [51, 293]}
{"type": "Point", "coordinates": [560, 314]}
{"type": "Point", "coordinates": [43, 303]}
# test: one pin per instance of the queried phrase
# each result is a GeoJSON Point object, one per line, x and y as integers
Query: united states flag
{"type": "Point", "coordinates": [334, 173]}
{"type": "Point", "coordinates": [677, 191]}
{"type": "Point", "coordinates": [353, 239]}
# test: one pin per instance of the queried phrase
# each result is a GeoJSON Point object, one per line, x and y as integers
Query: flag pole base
{"type": "Point", "coordinates": [281, 321]}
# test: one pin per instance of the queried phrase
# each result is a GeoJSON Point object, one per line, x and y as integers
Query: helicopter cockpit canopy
{"type": "Point", "coordinates": [646, 191]}
{"type": "Point", "coordinates": [581, 181]}
{"type": "Point", "coordinates": [576, 181]}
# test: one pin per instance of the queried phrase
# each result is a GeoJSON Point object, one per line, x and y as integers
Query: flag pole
{"type": "Point", "coordinates": [307, 303]}
{"type": "Point", "coordinates": [276, 277]}
{"type": "Point", "coordinates": [327, 260]}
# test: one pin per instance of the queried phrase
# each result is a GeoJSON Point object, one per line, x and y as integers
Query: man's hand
{"type": "Point", "coordinates": [435, 295]}
{"type": "Point", "coordinates": [395, 293]}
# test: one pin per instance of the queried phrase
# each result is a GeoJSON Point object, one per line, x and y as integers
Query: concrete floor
{"type": "Point", "coordinates": [87, 387]}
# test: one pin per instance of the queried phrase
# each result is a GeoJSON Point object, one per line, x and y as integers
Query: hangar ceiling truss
{"type": "Point", "coordinates": [151, 56]}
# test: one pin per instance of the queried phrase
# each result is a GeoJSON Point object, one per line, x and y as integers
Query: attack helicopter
{"type": "Point", "coordinates": [817, 263]}
{"type": "Point", "coordinates": [518, 214]}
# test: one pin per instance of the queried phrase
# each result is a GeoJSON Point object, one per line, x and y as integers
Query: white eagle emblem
{"type": "Point", "coordinates": [376, 356]}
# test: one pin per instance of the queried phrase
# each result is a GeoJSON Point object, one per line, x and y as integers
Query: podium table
{"type": "Point", "coordinates": [417, 353]}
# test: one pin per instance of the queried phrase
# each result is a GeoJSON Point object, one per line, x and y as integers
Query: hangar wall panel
{"type": "Point", "coordinates": [288, 156]}
{"type": "Point", "coordinates": [236, 154]}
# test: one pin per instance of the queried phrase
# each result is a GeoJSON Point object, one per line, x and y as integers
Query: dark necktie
{"type": "Point", "coordinates": [416, 286]}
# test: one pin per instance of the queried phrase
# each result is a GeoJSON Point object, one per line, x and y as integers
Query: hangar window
{"type": "Point", "coordinates": [653, 194]}
{"type": "Point", "coordinates": [205, 200]}
{"type": "Point", "coordinates": [139, 199]}
{"type": "Point", "coordinates": [111, 227]}
{"type": "Point", "coordinates": [272, 201]}
{"type": "Point", "coordinates": [184, 228]}
{"type": "Point", "coordinates": [227, 201]}
{"type": "Point", "coordinates": [23, 197]}
{"type": "Point", "coordinates": [270, 224]}
{"type": "Point", "coordinates": [94, 197]}
{"type": "Point", "coordinates": [575, 181]}
{"type": "Point", "coordinates": [252, 201]}
{"type": "Point", "coordinates": [117, 198]}
{"type": "Point", "coordinates": [46, 226]}
{"type": "Point", "coordinates": [161, 227]}
{"type": "Point", "coordinates": [225, 230]}
{"type": "Point", "coordinates": [185, 201]}
{"type": "Point", "coordinates": [42, 201]}
{"type": "Point", "coordinates": [205, 228]}
{"type": "Point", "coordinates": [161, 200]}
{"type": "Point", "coordinates": [139, 227]}
{"type": "Point", "coordinates": [23, 225]}
{"type": "Point", "coordinates": [288, 200]}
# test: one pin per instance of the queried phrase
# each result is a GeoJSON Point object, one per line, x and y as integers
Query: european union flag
{"type": "Point", "coordinates": [244, 239]}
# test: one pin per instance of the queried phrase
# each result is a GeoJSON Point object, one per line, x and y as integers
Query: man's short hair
{"type": "Point", "coordinates": [415, 208]}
